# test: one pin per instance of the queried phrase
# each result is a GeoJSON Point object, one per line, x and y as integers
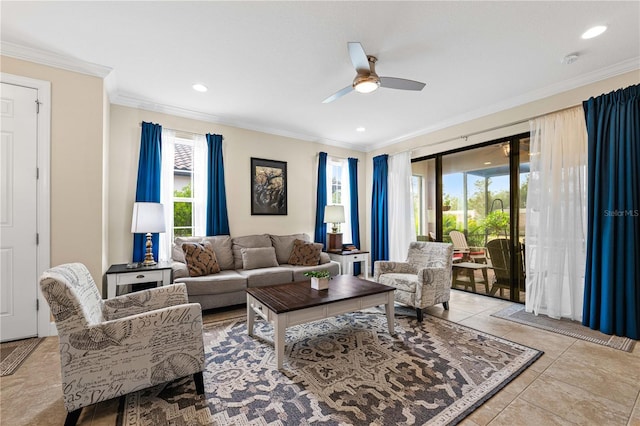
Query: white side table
{"type": "Point", "coordinates": [348, 258]}
{"type": "Point", "coordinates": [119, 275]}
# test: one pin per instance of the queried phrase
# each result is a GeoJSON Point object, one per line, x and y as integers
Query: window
{"type": "Point", "coordinates": [183, 187]}
{"type": "Point", "coordinates": [183, 201]}
{"type": "Point", "coordinates": [338, 192]}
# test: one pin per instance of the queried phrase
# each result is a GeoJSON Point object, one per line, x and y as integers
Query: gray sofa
{"type": "Point", "coordinates": [241, 266]}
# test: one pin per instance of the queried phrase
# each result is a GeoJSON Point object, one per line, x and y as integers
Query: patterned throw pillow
{"type": "Point", "coordinates": [305, 253]}
{"type": "Point", "coordinates": [201, 259]}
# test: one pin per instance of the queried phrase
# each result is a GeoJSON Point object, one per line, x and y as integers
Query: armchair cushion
{"type": "Point", "coordinates": [201, 259]}
{"type": "Point", "coordinates": [144, 301]}
{"type": "Point", "coordinates": [404, 282]}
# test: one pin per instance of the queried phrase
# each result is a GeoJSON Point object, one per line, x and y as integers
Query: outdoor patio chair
{"type": "Point", "coordinates": [500, 256]}
{"type": "Point", "coordinates": [460, 246]}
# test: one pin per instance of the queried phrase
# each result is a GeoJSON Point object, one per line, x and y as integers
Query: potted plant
{"type": "Point", "coordinates": [319, 279]}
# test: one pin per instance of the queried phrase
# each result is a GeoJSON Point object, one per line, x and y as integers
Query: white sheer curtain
{"type": "Point", "coordinates": [166, 192]}
{"type": "Point", "coordinates": [401, 219]}
{"type": "Point", "coordinates": [339, 168]}
{"type": "Point", "coordinates": [200, 185]}
{"type": "Point", "coordinates": [557, 215]}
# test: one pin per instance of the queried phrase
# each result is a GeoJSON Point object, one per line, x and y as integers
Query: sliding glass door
{"type": "Point", "coordinates": [479, 199]}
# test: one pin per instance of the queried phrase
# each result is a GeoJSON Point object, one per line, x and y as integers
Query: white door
{"type": "Point", "coordinates": [18, 215]}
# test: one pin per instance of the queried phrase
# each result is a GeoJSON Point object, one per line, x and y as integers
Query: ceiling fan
{"type": "Point", "coordinates": [367, 80]}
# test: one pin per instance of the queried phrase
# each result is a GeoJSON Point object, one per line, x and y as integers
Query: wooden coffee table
{"type": "Point", "coordinates": [287, 305]}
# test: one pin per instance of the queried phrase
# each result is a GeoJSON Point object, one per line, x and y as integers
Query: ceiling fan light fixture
{"type": "Point", "coordinates": [366, 84]}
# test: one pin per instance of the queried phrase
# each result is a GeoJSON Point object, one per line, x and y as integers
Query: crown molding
{"type": "Point", "coordinates": [51, 59]}
{"type": "Point", "coordinates": [148, 105]}
{"type": "Point", "coordinates": [623, 67]}
{"type": "Point", "coordinates": [64, 62]}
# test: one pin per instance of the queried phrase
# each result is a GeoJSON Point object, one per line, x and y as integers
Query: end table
{"type": "Point", "coordinates": [348, 258]}
{"type": "Point", "coordinates": [119, 275]}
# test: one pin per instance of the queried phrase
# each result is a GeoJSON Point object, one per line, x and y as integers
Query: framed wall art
{"type": "Point", "coordinates": [268, 187]}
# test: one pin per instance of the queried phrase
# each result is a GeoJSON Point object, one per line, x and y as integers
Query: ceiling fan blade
{"type": "Point", "coordinates": [358, 57]}
{"type": "Point", "coordinates": [401, 83]}
{"type": "Point", "coordinates": [338, 94]}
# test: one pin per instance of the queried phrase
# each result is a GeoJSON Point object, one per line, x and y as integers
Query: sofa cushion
{"type": "Point", "coordinates": [180, 270]}
{"type": "Point", "coordinates": [201, 259]}
{"type": "Point", "coordinates": [248, 241]}
{"type": "Point", "coordinates": [305, 253]}
{"type": "Point", "coordinates": [222, 247]}
{"type": "Point", "coordinates": [284, 245]}
{"type": "Point", "coordinates": [324, 258]}
{"type": "Point", "coordinates": [177, 254]}
{"type": "Point", "coordinates": [224, 282]}
{"type": "Point", "coordinates": [267, 276]}
{"type": "Point", "coordinates": [260, 257]}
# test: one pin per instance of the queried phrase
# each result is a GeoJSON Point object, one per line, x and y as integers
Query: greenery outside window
{"type": "Point", "coordinates": [183, 197]}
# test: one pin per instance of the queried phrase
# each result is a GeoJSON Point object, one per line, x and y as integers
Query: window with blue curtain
{"type": "Point", "coordinates": [148, 183]}
{"type": "Point", "coordinates": [379, 210]}
{"type": "Point", "coordinates": [217, 216]}
{"type": "Point", "coordinates": [320, 233]}
{"type": "Point", "coordinates": [612, 276]}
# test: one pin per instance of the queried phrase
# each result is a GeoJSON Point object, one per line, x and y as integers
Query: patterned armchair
{"type": "Point", "coordinates": [109, 348]}
{"type": "Point", "coordinates": [423, 280]}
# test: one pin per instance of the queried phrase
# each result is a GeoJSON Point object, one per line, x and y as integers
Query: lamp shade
{"type": "Point", "coordinates": [147, 218]}
{"type": "Point", "coordinates": [334, 214]}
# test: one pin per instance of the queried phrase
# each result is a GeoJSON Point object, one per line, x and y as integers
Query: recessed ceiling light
{"type": "Point", "coordinates": [594, 32]}
{"type": "Point", "coordinates": [360, 129]}
{"type": "Point", "coordinates": [199, 87]}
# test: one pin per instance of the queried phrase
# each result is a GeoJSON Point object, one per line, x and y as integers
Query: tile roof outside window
{"type": "Point", "coordinates": [183, 157]}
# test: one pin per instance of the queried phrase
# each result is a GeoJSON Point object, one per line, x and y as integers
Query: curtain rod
{"type": "Point", "coordinates": [337, 157]}
{"type": "Point", "coordinates": [514, 123]}
{"type": "Point", "coordinates": [180, 131]}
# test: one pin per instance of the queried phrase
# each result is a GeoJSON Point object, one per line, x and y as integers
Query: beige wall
{"type": "Point", "coordinates": [94, 155]}
{"type": "Point", "coordinates": [238, 148]}
{"type": "Point", "coordinates": [441, 140]}
{"type": "Point", "coordinates": [76, 162]}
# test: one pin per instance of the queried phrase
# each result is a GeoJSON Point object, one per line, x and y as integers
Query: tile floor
{"type": "Point", "coordinates": [574, 382]}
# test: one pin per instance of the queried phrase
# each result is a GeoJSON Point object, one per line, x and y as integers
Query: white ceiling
{"type": "Point", "coordinates": [268, 65]}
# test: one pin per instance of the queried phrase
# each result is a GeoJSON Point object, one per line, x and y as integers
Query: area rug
{"type": "Point", "coordinates": [345, 370]}
{"type": "Point", "coordinates": [516, 313]}
{"type": "Point", "coordinates": [13, 354]}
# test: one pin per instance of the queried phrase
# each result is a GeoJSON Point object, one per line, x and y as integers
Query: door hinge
{"type": "Point", "coordinates": [38, 106]}
{"type": "Point", "coordinates": [37, 304]}
{"type": "Point", "coordinates": [37, 173]}
{"type": "Point", "coordinates": [37, 238]}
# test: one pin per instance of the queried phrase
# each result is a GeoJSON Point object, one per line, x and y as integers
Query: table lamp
{"type": "Point", "coordinates": [334, 215]}
{"type": "Point", "coordinates": [148, 218]}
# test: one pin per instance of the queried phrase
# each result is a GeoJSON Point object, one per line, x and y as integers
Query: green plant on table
{"type": "Point", "coordinates": [318, 274]}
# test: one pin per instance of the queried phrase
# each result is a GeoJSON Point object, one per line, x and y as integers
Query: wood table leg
{"type": "Point", "coordinates": [279, 328]}
{"type": "Point", "coordinates": [486, 280]}
{"type": "Point", "coordinates": [251, 315]}
{"type": "Point", "coordinates": [472, 279]}
{"type": "Point", "coordinates": [389, 308]}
